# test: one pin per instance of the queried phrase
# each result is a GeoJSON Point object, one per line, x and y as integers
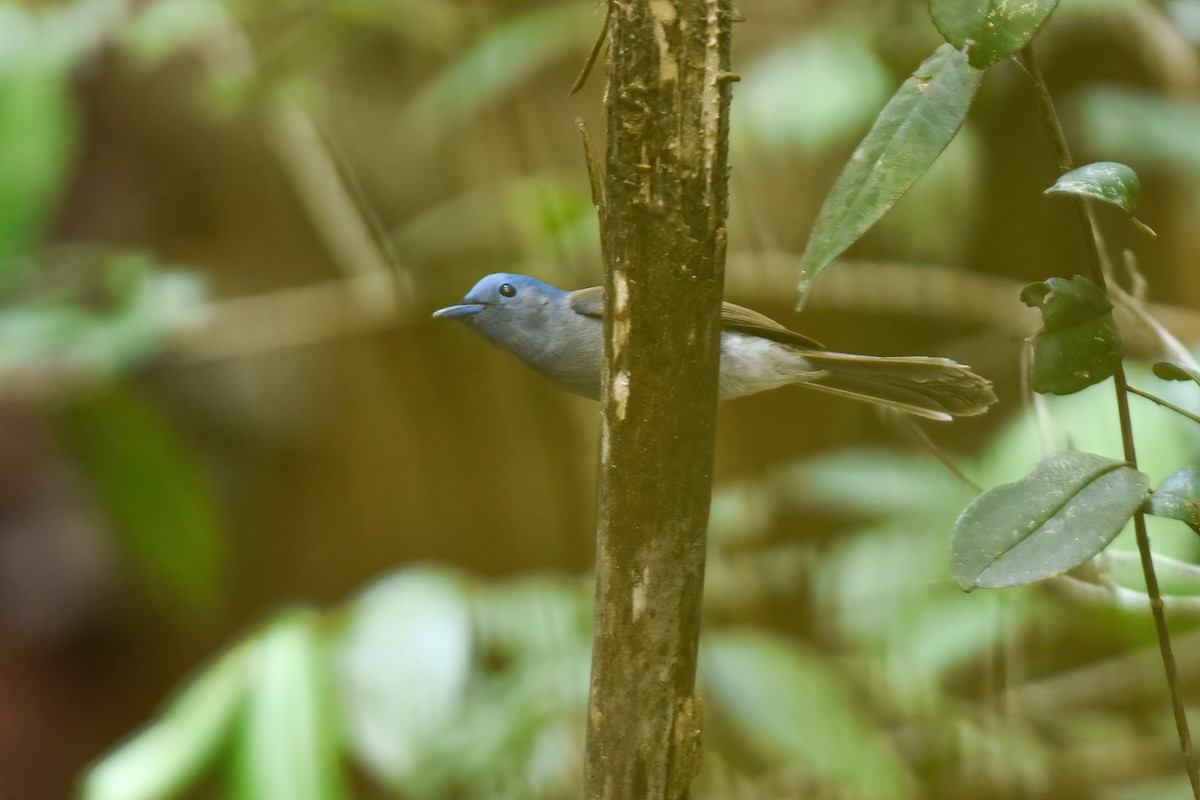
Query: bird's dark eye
{"type": "Point", "coordinates": [508, 290]}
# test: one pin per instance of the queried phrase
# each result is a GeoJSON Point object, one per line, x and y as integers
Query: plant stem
{"type": "Point", "coordinates": [1165, 404]}
{"type": "Point", "coordinates": [1087, 224]}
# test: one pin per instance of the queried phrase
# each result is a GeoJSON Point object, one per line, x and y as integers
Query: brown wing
{"type": "Point", "coordinates": [737, 318]}
{"type": "Point", "coordinates": [590, 303]}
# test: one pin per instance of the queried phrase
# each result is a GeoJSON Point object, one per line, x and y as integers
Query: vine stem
{"type": "Point", "coordinates": [1087, 224]}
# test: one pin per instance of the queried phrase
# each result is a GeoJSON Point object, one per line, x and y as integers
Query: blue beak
{"type": "Point", "coordinates": [460, 310]}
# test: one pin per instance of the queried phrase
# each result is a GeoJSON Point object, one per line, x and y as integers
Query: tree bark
{"type": "Point", "coordinates": [664, 241]}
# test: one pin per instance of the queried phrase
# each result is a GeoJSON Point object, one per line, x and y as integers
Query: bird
{"type": "Point", "coordinates": [560, 334]}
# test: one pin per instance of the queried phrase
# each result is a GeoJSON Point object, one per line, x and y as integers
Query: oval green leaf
{"type": "Point", "coordinates": [1060, 515]}
{"type": "Point", "coordinates": [909, 134]}
{"type": "Point", "coordinates": [1106, 181]}
{"type": "Point", "coordinates": [170, 753]}
{"type": "Point", "coordinates": [989, 30]}
{"type": "Point", "coordinates": [290, 739]}
{"type": "Point", "coordinates": [1170, 371]}
{"type": "Point", "coordinates": [1079, 344]}
{"type": "Point", "coordinates": [789, 708]}
{"type": "Point", "coordinates": [1177, 497]}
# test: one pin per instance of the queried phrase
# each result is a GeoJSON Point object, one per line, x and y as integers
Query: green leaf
{"type": "Point", "coordinates": [163, 28]}
{"type": "Point", "coordinates": [290, 738]}
{"type": "Point", "coordinates": [1079, 344]}
{"type": "Point", "coordinates": [809, 93]}
{"type": "Point", "coordinates": [989, 30]}
{"type": "Point", "coordinates": [404, 662]}
{"type": "Point", "coordinates": [156, 494]}
{"type": "Point", "coordinates": [1170, 371]}
{"type": "Point", "coordinates": [1106, 181]}
{"type": "Point", "coordinates": [83, 315]}
{"type": "Point", "coordinates": [1177, 497]}
{"type": "Point", "coordinates": [1140, 126]}
{"type": "Point", "coordinates": [166, 756]}
{"type": "Point", "coordinates": [37, 143]}
{"type": "Point", "coordinates": [911, 131]}
{"type": "Point", "coordinates": [506, 55]}
{"type": "Point", "coordinates": [1060, 515]}
{"type": "Point", "coordinates": [791, 708]}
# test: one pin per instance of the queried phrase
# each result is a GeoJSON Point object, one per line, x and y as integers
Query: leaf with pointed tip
{"type": "Point", "coordinates": [1106, 181]}
{"type": "Point", "coordinates": [989, 31]}
{"type": "Point", "coordinates": [1060, 515]}
{"type": "Point", "coordinates": [1078, 344]}
{"type": "Point", "coordinates": [1170, 371]}
{"type": "Point", "coordinates": [1177, 497]}
{"type": "Point", "coordinates": [908, 136]}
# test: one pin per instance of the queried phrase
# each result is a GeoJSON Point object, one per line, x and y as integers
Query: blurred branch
{"type": "Point", "coordinates": [287, 318]}
{"type": "Point", "coordinates": [1114, 596]}
{"type": "Point", "coordinates": [1120, 681]}
{"type": "Point", "coordinates": [327, 198]}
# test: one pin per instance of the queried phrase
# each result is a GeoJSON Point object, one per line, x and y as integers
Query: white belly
{"type": "Point", "coordinates": [751, 364]}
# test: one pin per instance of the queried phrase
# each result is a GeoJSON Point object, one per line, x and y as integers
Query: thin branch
{"type": "Point", "coordinates": [1171, 567]}
{"type": "Point", "coordinates": [914, 429]}
{"type": "Point", "coordinates": [328, 200]}
{"type": "Point", "coordinates": [287, 318]}
{"type": "Point", "coordinates": [1088, 228]}
{"type": "Point", "coordinates": [1126, 599]}
{"type": "Point", "coordinates": [601, 38]}
{"type": "Point", "coordinates": [1165, 404]}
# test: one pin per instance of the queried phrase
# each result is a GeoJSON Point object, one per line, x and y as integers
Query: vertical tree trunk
{"type": "Point", "coordinates": [666, 201]}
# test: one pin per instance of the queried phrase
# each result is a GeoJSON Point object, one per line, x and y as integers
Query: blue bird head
{"type": "Point", "coordinates": [509, 309]}
{"type": "Point", "coordinates": [539, 324]}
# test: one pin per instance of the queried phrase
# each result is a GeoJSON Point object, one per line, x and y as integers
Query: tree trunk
{"type": "Point", "coordinates": [665, 209]}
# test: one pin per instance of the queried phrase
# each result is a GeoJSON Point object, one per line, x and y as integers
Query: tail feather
{"type": "Point", "coordinates": [935, 388]}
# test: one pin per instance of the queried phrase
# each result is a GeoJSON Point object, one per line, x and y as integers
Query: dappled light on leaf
{"type": "Point", "coordinates": [1063, 513]}
{"type": "Point", "coordinates": [989, 31]}
{"type": "Point", "coordinates": [910, 132]}
{"type": "Point", "coordinates": [1106, 181]}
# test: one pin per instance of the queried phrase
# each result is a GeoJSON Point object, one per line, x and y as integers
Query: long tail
{"type": "Point", "coordinates": [935, 388]}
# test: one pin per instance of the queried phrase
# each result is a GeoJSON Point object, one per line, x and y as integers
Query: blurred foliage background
{"type": "Point", "coordinates": [227, 418]}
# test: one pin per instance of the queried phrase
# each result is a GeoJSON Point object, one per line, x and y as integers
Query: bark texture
{"type": "Point", "coordinates": [665, 209]}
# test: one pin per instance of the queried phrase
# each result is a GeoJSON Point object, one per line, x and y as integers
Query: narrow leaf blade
{"type": "Point", "coordinates": [911, 131]}
{"type": "Point", "coordinates": [166, 756]}
{"type": "Point", "coordinates": [992, 31]}
{"type": "Point", "coordinates": [1106, 181]}
{"type": "Point", "coordinates": [156, 495]}
{"type": "Point", "coordinates": [290, 738]}
{"type": "Point", "coordinates": [1060, 515]}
